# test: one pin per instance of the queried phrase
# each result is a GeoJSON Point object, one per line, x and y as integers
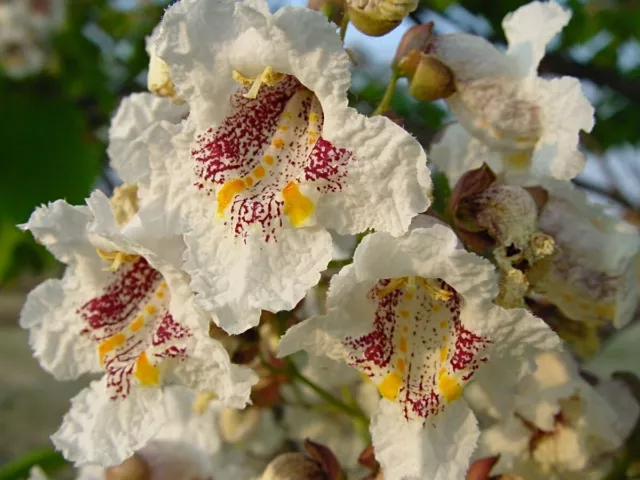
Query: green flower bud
{"type": "Point", "coordinates": [378, 17]}
{"type": "Point", "coordinates": [332, 9]}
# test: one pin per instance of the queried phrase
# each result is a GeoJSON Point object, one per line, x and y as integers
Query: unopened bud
{"type": "Point", "coordinates": [415, 41]}
{"type": "Point", "coordinates": [378, 17]}
{"type": "Point", "coordinates": [332, 9]}
{"type": "Point", "coordinates": [432, 80]}
{"type": "Point", "coordinates": [294, 466]}
{"type": "Point", "coordinates": [133, 468]}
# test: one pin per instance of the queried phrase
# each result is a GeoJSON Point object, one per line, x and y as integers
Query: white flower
{"type": "Point", "coordinates": [533, 122]}
{"type": "Point", "coordinates": [132, 318]}
{"type": "Point", "coordinates": [127, 149]}
{"type": "Point", "coordinates": [415, 314]}
{"type": "Point", "coordinates": [592, 278]}
{"type": "Point", "coordinates": [558, 426]}
{"type": "Point", "coordinates": [271, 156]}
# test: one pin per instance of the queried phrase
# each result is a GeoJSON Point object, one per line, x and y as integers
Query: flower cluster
{"type": "Point", "coordinates": [191, 289]}
{"type": "Point", "coordinates": [25, 27]}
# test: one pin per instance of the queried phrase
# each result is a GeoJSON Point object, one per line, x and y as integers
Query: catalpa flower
{"type": "Point", "coordinates": [416, 316]}
{"type": "Point", "coordinates": [592, 278]}
{"type": "Point", "coordinates": [122, 309]}
{"type": "Point", "coordinates": [533, 122]}
{"type": "Point", "coordinates": [127, 149]}
{"type": "Point", "coordinates": [271, 156]}
{"type": "Point", "coordinates": [559, 426]}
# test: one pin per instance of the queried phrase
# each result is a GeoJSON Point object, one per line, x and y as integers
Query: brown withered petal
{"type": "Point", "coordinates": [325, 457]}
{"type": "Point", "coordinates": [133, 468]}
{"type": "Point", "coordinates": [480, 469]}
{"type": "Point", "coordinates": [268, 394]}
{"type": "Point", "coordinates": [294, 466]}
{"type": "Point", "coordinates": [368, 459]}
{"type": "Point", "coordinates": [471, 183]}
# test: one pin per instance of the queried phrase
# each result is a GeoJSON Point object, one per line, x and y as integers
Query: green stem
{"type": "Point", "coordinates": [353, 412]}
{"type": "Point", "coordinates": [339, 263]}
{"type": "Point", "coordinates": [47, 459]}
{"type": "Point", "coordinates": [383, 106]}
{"type": "Point", "coordinates": [343, 26]}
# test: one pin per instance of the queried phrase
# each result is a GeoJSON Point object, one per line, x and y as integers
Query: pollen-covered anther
{"type": "Point", "coordinates": [116, 259]}
{"type": "Point", "coordinates": [411, 283]}
{"type": "Point", "coordinates": [202, 401]}
{"type": "Point", "coordinates": [124, 203]}
{"type": "Point", "coordinates": [268, 77]}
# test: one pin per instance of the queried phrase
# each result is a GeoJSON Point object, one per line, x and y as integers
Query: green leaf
{"type": "Point", "coordinates": [47, 459]}
{"type": "Point", "coordinates": [46, 154]}
{"type": "Point", "coordinates": [441, 191]}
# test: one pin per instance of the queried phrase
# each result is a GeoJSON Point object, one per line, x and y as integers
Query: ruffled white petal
{"type": "Point", "coordinates": [386, 185]}
{"type": "Point", "coordinates": [529, 29]}
{"type": "Point", "coordinates": [565, 111]}
{"type": "Point", "coordinates": [55, 329]}
{"type": "Point", "coordinates": [127, 149]}
{"type": "Point", "coordinates": [237, 279]}
{"type": "Point", "coordinates": [439, 450]}
{"type": "Point", "coordinates": [100, 431]}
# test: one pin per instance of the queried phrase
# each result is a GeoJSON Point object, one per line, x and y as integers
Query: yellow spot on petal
{"type": "Point", "coordinates": [404, 313]}
{"type": "Point", "coordinates": [449, 387]}
{"type": "Point", "coordinates": [403, 345]}
{"type": "Point", "coordinates": [390, 386]}
{"type": "Point", "coordinates": [314, 117]}
{"type": "Point", "coordinates": [296, 205]}
{"type": "Point", "coordinates": [227, 193]}
{"type": "Point", "coordinates": [444, 338]}
{"type": "Point", "coordinates": [150, 309]}
{"type": "Point", "coordinates": [313, 133]}
{"type": "Point", "coordinates": [249, 181]}
{"type": "Point", "coordinates": [443, 324]}
{"type": "Point", "coordinates": [259, 171]}
{"type": "Point", "coordinates": [268, 159]}
{"type": "Point", "coordinates": [283, 128]}
{"type": "Point", "coordinates": [405, 329]}
{"type": "Point", "coordinates": [444, 351]}
{"type": "Point", "coordinates": [145, 372]}
{"type": "Point", "coordinates": [518, 160]}
{"type": "Point", "coordinates": [137, 324]}
{"type": "Point", "coordinates": [436, 308]}
{"type": "Point", "coordinates": [163, 285]}
{"type": "Point", "coordinates": [287, 115]}
{"type": "Point", "coordinates": [278, 142]}
{"type": "Point", "coordinates": [401, 365]}
{"type": "Point", "coordinates": [109, 344]}
{"type": "Point", "coordinates": [160, 294]}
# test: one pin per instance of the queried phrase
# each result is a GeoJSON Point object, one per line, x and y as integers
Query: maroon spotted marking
{"type": "Point", "coordinates": [236, 148]}
{"type": "Point", "coordinates": [376, 352]}
{"type": "Point", "coordinates": [129, 290]}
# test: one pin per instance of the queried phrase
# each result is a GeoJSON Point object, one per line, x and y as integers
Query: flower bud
{"type": "Point", "coordinates": [432, 80]}
{"type": "Point", "coordinates": [133, 468]}
{"type": "Point", "coordinates": [415, 41]}
{"type": "Point", "coordinates": [332, 9]}
{"type": "Point", "coordinates": [378, 17]}
{"type": "Point", "coordinates": [293, 466]}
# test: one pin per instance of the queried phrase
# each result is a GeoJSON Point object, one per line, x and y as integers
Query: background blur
{"type": "Point", "coordinates": [64, 66]}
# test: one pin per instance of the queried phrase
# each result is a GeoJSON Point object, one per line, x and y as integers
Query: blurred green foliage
{"type": "Point", "coordinates": [52, 124]}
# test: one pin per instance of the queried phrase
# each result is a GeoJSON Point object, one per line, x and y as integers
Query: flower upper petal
{"type": "Point", "coordinates": [530, 28]}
